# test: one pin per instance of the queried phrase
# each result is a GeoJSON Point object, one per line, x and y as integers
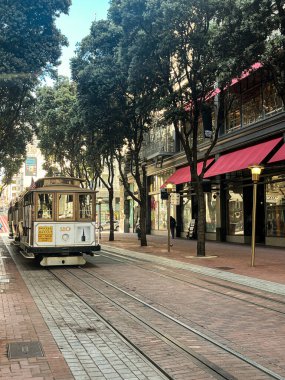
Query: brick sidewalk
{"type": "Point", "coordinates": [234, 258]}
{"type": "Point", "coordinates": [21, 321]}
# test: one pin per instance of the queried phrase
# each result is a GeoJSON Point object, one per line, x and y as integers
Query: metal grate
{"type": "Point", "coordinates": [20, 350]}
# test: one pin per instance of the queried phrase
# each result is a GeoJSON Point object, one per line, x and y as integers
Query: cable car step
{"type": "Point", "coordinates": [27, 255]}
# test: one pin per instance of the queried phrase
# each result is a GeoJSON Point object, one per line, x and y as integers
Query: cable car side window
{"type": "Point", "coordinates": [65, 206]}
{"type": "Point", "coordinates": [85, 206]}
{"type": "Point", "coordinates": [44, 206]}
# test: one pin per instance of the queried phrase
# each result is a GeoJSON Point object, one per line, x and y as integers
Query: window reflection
{"type": "Point", "coordinates": [154, 207]}
{"type": "Point", "coordinates": [235, 207]}
{"type": "Point", "coordinates": [210, 202]}
{"type": "Point", "coordinates": [162, 215]}
{"type": "Point", "coordinates": [272, 102]}
{"type": "Point", "coordinates": [252, 105]}
{"type": "Point", "coordinates": [65, 206]}
{"type": "Point", "coordinates": [85, 206]}
{"type": "Point", "coordinates": [186, 213]}
{"type": "Point", "coordinates": [233, 120]}
{"type": "Point", "coordinates": [44, 205]}
{"type": "Point", "coordinates": [275, 209]}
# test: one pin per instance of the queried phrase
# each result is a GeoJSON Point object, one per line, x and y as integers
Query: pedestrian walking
{"type": "Point", "coordinates": [172, 226]}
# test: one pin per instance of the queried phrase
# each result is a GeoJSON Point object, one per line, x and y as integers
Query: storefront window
{"type": "Point", "coordinates": [275, 208]}
{"type": "Point", "coordinates": [154, 210]}
{"type": "Point", "coordinates": [186, 213]}
{"type": "Point", "coordinates": [158, 213]}
{"type": "Point", "coordinates": [162, 223]}
{"type": "Point", "coordinates": [235, 208]}
{"type": "Point", "coordinates": [210, 203]}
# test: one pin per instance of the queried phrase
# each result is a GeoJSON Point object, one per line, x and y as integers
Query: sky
{"type": "Point", "coordinates": [76, 26]}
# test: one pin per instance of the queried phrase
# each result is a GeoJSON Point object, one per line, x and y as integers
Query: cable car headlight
{"type": "Point", "coordinates": [65, 237]}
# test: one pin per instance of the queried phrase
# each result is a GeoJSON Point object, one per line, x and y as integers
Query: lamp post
{"type": "Point", "coordinates": [99, 201]}
{"type": "Point", "coordinates": [255, 174]}
{"type": "Point", "coordinates": [169, 188]}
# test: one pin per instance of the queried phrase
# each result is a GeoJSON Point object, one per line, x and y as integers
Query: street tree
{"type": "Point", "coordinates": [101, 102]}
{"type": "Point", "coordinates": [61, 131]}
{"type": "Point", "coordinates": [271, 23]}
{"type": "Point", "coordinates": [30, 46]}
{"type": "Point", "coordinates": [116, 111]}
{"type": "Point", "coordinates": [141, 93]}
{"type": "Point", "coordinates": [188, 48]}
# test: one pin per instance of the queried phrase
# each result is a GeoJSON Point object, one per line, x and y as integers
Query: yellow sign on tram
{"type": "Point", "coordinates": [45, 234]}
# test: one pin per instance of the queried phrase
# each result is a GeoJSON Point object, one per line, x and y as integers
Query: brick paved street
{"type": "Point", "coordinates": [76, 342]}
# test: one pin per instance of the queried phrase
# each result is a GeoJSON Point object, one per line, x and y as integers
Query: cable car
{"type": "Point", "coordinates": [54, 222]}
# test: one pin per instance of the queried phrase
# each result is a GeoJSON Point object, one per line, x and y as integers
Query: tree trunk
{"type": "Point", "coordinates": [111, 197]}
{"type": "Point", "coordinates": [201, 221]}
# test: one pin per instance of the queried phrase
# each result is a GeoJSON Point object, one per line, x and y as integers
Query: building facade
{"type": "Point", "coordinates": [253, 133]}
{"type": "Point", "coordinates": [32, 169]}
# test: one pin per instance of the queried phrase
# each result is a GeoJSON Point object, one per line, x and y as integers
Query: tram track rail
{"type": "Point", "coordinates": [215, 370]}
{"type": "Point", "coordinates": [220, 283]}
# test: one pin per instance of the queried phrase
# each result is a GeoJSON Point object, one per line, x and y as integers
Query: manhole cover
{"type": "Point", "coordinates": [19, 350]}
{"type": "Point", "coordinates": [224, 268]}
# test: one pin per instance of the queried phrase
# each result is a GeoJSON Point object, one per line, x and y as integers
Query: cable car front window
{"type": "Point", "coordinates": [65, 206]}
{"type": "Point", "coordinates": [44, 205]}
{"type": "Point", "coordinates": [85, 206]}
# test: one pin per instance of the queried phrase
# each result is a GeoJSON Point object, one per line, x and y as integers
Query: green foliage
{"type": "Point", "coordinates": [176, 52]}
{"type": "Point", "coordinates": [60, 129]}
{"type": "Point", "coordinates": [30, 45]}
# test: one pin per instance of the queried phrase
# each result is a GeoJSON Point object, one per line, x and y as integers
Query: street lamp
{"type": "Point", "coordinates": [99, 201]}
{"type": "Point", "coordinates": [255, 174]}
{"type": "Point", "coordinates": [169, 188]}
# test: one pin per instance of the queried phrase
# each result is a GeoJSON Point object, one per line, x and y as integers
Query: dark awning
{"type": "Point", "coordinates": [242, 158]}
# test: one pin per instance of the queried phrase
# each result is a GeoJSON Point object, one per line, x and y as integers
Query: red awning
{"type": "Point", "coordinates": [242, 158]}
{"type": "Point", "coordinates": [183, 175]}
{"type": "Point", "coordinates": [279, 155]}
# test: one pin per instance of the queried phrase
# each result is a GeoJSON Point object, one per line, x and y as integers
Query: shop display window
{"type": "Point", "coordinates": [235, 212]}
{"type": "Point", "coordinates": [275, 208]}
{"type": "Point", "coordinates": [154, 211]}
{"type": "Point", "coordinates": [186, 213]}
{"type": "Point", "coordinates": [162, 221]}
{"type": "Point", "coordinates": [211, 220]}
